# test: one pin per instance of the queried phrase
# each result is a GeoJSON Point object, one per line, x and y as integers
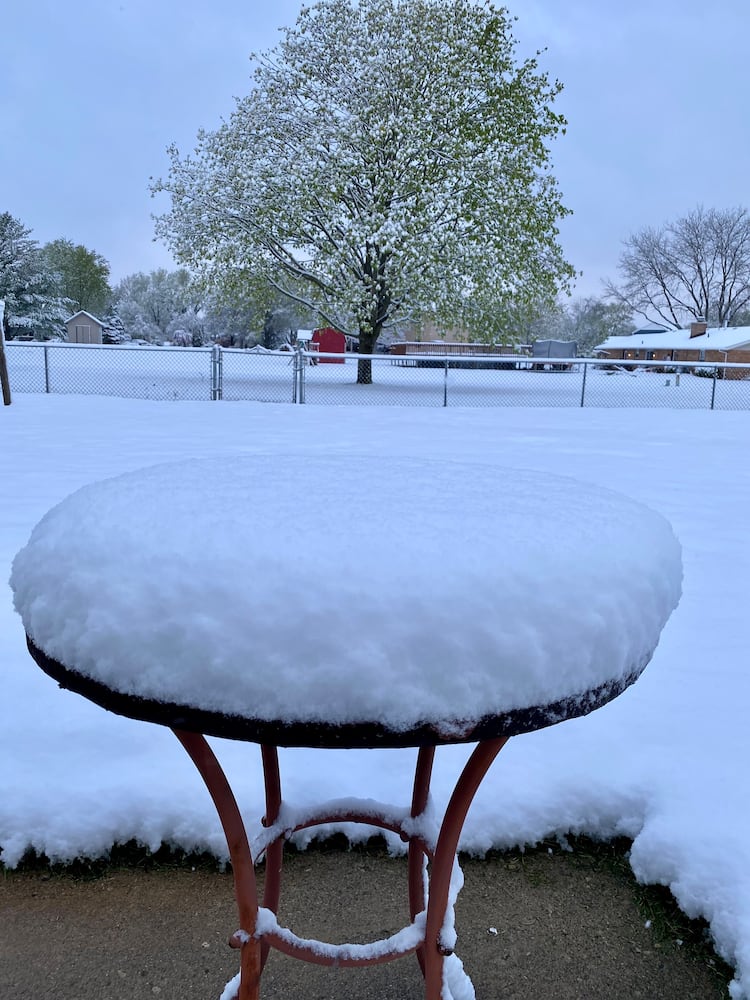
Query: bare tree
{"type": "Point", "coordinates": [695, 268]}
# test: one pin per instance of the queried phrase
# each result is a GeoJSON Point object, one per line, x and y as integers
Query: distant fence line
{"type": "Point", "coordinates": [303, 377]}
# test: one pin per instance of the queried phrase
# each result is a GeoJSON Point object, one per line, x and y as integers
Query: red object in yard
{"type": "Point", "coordinates": [329, 341]}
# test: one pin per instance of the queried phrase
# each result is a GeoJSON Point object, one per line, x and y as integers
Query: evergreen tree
{"type": "Point", "coordinates": [18, 264]}
{"type": "Point", "coordinates": [32, 305]}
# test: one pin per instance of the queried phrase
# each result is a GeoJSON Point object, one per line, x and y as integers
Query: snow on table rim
{"type": "Point", "coordinates": [342, 589]}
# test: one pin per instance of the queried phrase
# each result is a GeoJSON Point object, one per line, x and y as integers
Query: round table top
{"type": "Point", "coordinates": [338, 600]}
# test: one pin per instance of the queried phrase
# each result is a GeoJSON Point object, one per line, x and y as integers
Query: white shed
{"type": "Point", "coordinates": [83, 328]}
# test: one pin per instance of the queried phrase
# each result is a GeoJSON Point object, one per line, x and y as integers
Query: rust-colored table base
{"type": "Point", "coordinates": [429, 935]}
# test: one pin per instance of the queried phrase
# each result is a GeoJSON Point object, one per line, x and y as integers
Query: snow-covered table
{"type": "Point", "coordinates": [341, 601]}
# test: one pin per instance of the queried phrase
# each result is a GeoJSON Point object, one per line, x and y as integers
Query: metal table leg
{"type": "Point", "coordinates": [429, 898]}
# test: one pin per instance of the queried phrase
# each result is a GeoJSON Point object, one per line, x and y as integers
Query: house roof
{"type": "Point", "coordinates": [82, 312]}
{"type": "Point", "coordinates": [716, 338]}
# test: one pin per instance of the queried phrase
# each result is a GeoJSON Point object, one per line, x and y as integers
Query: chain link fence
{"type": "Point", "coordinates": [300, 376]}
{"type": "Point", "coordinates": [103, 370]}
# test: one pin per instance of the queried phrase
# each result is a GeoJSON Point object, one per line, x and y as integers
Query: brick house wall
{"type": "Point", "coordinates": [699, 357]}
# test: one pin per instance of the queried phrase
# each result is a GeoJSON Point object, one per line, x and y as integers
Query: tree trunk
{"type": "Point", "coordinates": [367, 341]}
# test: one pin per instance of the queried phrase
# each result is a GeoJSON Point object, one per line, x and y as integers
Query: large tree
{"type": "Point", "coordinates": [32, 304]}
{"type": "Point", "coordinates": [152, 306]}
{"type": "Point", "coordinates": [80, 275]}
{"type": "Point", "coordinates": [589, 321]}
{"type": "Point", "coordinates": [695, 268]}
{"type": "Point", "coordinates": [391, 163]}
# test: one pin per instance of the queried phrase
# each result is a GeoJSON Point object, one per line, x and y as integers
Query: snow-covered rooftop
{"type": "Point", "coordinates": [82, 312]}
{"type": "Point", "coordinates": [714, 339]}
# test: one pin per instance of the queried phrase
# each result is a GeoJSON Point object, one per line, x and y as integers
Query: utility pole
{"type": "Point", "coordinates": [4, 381]}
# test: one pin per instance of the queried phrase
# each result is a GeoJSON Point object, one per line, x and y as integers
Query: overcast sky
{"type": "Point", "coordinates": [92, 92]}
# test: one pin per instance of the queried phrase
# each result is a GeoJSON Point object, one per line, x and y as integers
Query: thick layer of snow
{"type": "Point", "coordinates": [715, 338]}
{"type": "Point", "coordinates": [665, 763]}
{"type": "Point", "coordinates": [410, 591]}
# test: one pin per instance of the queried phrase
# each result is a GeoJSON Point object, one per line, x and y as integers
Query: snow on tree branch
{"type": "Point", "coordinates": [392, 160]}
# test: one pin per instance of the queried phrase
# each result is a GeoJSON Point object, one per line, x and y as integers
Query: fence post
{"type": "Point", "coordinates": [4, 379]}
{"type": "Point", "coordinates": [713, 389]}
{"type": "Point", "coordinates": [46, 368]}
{"type": "Point", "coordinates": [445, 384]}
{"type": "Point", "coordinates": [298, 369]}
{"type": "Point", "coordinates": [583, 383]}
{"type": "Point", "coordinates": [216, 372]}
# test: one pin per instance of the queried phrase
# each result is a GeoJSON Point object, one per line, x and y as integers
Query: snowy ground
{"type": "Point", "coordinates": [664, 764]}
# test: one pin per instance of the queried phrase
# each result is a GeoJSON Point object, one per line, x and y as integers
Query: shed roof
{"type": "Point", "coordinates": [82, 312]}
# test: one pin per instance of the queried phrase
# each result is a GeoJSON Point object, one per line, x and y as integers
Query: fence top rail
{"type": "Point", "coordinates": [489, 358]}
{"type": "Point", "coordinates": [131, 348]}
{"type": "Point", "coordinates": [277, 352]}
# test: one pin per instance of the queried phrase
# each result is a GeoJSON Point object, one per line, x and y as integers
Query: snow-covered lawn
{"type": "Point", "coordinates": [664, 764]}
{"type": "Point", "coordinates": [178, 373]}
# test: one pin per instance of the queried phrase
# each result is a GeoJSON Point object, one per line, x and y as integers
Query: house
{"type": "Point", "coordinates": [699, 343]}
{"type": "Point", "coordinates": [83, 328]}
